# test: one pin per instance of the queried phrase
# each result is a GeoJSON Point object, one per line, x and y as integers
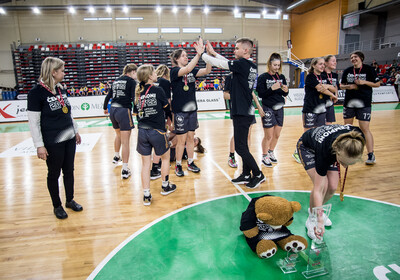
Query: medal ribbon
{"type": "Point", "coordinates": [61, 100]}
{"type": "Point", "coordinates": [320, 81]}
{"type": "Point", "coordinates": [185, 79]}
{"type": "Point", "coordinates": [354, 72]}
{"type": "Point", "coordinates": [144, 98]}
{"type": "Point", "coordinates": [276, 80]}
{"type": "Point", "coordinates": [330, 78]}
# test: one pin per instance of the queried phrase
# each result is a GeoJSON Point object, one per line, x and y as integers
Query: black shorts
{"type": "Point", "coordinates": [330, 114]}
{"type": "Point", "coordinates": [272, 117]}
{"type": "Point", "coordinates": [184, 122]}
{"type": "Point", "coordinates": [313, 120]}
{"type": "Point", "coordinates": [307, 157]}
{"type": "Point", "coordinates": [152, 138]}
{"type": "Point", "coordinates": [121, 118]}
{"type": "Point", "coordinates": [361, 114]}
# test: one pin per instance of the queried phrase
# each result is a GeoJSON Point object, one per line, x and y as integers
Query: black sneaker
{"type": "Point", "coordinates": [155, 174]}
{"type": "Point", "coordinates": [74, 206]}
{"type": "Point", "coordinates": [125, 173]}
{"type": "Point", "coordinates": [242, 179]}
{"type": "Point", "coordinates": [255, 181]}
{"type": "Point", "coordinates": [193, 167]}
{"type": "Point", "coordinates": [60, 212]}
{"type": "Point", "coordinates": [371, 159]}
{"type": "Point", "coordinates": [159, 166]}
{"type": "Point", "coordinates": [147, 200]}
{"type": "Point", "coordinates": [179, 171]}
{"type": "Point", "coordinates": [168, 189]}
{"type": "Point", "coordinates": [116, 160]}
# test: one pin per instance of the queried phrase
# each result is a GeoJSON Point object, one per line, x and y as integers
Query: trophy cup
{"type": "Point", "coordinates": [317, 256]}
{"type": "Point", "coordinates": [288, 264]}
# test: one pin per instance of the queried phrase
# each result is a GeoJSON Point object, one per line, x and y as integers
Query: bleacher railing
{"type": "Point", "coordinates": [371, 45]}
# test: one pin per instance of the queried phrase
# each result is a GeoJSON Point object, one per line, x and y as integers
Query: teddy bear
{"type": "Point", "coordinates": [264, 224]}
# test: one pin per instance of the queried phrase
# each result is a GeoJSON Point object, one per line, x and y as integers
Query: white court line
{"type": "Point", "coordinates": [229, 178]}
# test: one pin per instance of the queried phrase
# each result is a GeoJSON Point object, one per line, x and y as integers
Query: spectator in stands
{"type": "Point", "coordinates": [397, 83]}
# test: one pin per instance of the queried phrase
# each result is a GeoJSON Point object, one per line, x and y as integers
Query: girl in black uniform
{"type": "Point", "coordinates": [358, 82]}
{"type": "Point", "coordinates": [243, 79]}
{"type": "Point", "coordinates": [54, 132]}
{"type": "Point", "coordinates": [272, 88]}
{"type": "Point", "coordinates": [321, 149]}
{"type": "Point", "coordinates": [316, 86]}
{"type": "Point", "coordinates": [122, 93]}
{"type": "Point", "coordinates": [162, 73]}
{"type": "Point", "coordinates": [184, 105]}
{"type": "Point", "coordinates": [150, 105]}
{"type": "Point", "coordinates": [330, 65]}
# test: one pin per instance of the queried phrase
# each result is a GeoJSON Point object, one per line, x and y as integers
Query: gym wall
{"type": "Point", "coordinates": [23, 27]}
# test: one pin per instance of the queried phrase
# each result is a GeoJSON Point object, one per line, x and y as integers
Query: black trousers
{"type": "Point", "coordinates": [61, 157]}
{"type": "Point", "coordinates": [241, 126]}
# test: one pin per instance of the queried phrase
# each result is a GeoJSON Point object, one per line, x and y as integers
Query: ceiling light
{"type": "Point", "coordinates": [125, 9]}
{"type": "Point", "coordinates": [36, 10]}
{"type": "Point", "coordinates": [264, 12]}
{"type": "Point", "coordinates": [159, 10]}
{"type": "Point", "coordinates": [72, 10]}
{"type": "Point", "coordinates": [109, 9]}
{"type": "Point", "coordinates": [294, 5]}
{"type": "Point", "coordinates": [278, 12]}
{"type": "Point", "coordinates": [91, 10]}
{"type": "Point", "coordinates": [188, 10]}
{"type": "Point", "coordinates": [236, 11]}
{"type": "Point", "coordinates": [175, 9]}
{"type": "Point", "coordinates": [2, 11]}
{"type": "Point", "coordinates": [206, 10]}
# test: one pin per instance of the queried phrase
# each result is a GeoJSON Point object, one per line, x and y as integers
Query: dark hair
{"type": "Point", "coordinates": [199, 147]}
{"type": "Point", "coordinates": [274, 56]}
{"type": "Point", "coordinates": [247, 41]}
{"type": "Point", "coordinates": [175, 55]}
{"type": "Point", "coordinates": [359, 54]}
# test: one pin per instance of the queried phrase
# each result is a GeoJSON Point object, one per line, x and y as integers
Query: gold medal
{"type": "Point", "coordinates": [185, 87]}
{"type": "Point", "coordinates": [141, 114]}
{"type": "Point", "coordinates": [65, 109]}
{"type": "Point", "coordinates": [320, 96]}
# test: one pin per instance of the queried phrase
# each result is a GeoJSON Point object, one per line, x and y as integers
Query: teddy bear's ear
{"type": "Point", "coordinates": [264, 216]}
{"type": "Point", "coordinates": [295, 206]}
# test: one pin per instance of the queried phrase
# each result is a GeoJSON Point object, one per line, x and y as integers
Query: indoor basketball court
{"type": "Point", "coordinates": [192, 233]}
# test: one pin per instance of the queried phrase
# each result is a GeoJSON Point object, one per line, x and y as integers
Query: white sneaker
{"type": "Point", "coordinates": [328, 221]}
{"type": "Point", "coordinates": [125, 173]}
{"type": "Point", "coordinates": [310, 228]}
{"type": "Point", "coordinates": [272, 157]}
{"type": "Point", "coordinates": [266, 162]}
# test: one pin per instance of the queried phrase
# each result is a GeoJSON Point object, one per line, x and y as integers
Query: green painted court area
{"type": "Point", "coordinates": [203, 241]}
{"type": "Point", "coordinates": [104, 121]}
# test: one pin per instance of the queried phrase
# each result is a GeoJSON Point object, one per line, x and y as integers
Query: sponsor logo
{"type": "Point", "coordinates": [4, 114]}
{"type": "Point", "coordinates": [85, 106]}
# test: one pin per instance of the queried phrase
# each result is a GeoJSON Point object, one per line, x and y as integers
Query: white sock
{"type": "Point", "coordinates": [178, 162]}
{"type": "Point", "coordinates": [165, 183]}
{"type": "Point", "coordinates": [116, 154]}
{"type": "Point", "coordinates": [146, 192]}
{"type": "Point", "coordinates": [190, 160]}
{"type": "Point", "coordinates": [125, 166]}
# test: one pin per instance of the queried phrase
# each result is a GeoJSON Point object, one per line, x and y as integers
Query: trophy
{"type": "Point", "coordinates": [317, 257]}
{"type": "Point", "coordinates": [288, 264]}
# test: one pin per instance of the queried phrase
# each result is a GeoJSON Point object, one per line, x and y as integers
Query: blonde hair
{"type": "Point", "coordinates": [129, 68]}
{"type": "Point", "coordinates": [314, 61]}
{"type": "Point", "coordinates": [143, 75]}
{"type": "Point", "coordinates": [49, 65]}
{"type": "Point", "coordinates": [274, 56]}
{"type": "Point", "coordinates": [162, 70]}
{"type": "Point", "coordinates": [351, 143]}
